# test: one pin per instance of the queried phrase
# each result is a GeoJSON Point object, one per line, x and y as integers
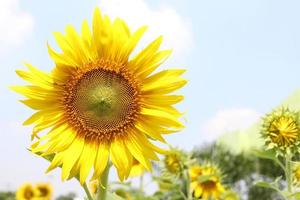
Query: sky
{"type": "Point", "coordinates": [242, 59]}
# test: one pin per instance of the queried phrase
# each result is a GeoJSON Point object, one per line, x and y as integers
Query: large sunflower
{"type": "Point", "coordinates": [99, 103]}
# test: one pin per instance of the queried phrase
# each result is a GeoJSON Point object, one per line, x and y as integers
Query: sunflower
{"type": "Point", "coordinates": [206, 182]}
{"type": "Point", "coordinates": [137, 169]}
{"type": "Point", "coordinates": [26, 192]}
{"type": "Point", "coordinates": [173, 162]}
{"type": "Point", "coordinates": [99, 103]}
{"type": "Point", "coordinates": [45, 191]}
{"type": "Point", "coordinates": [281, 130]}
{"type": "Point", "coordinates": [296, 174]}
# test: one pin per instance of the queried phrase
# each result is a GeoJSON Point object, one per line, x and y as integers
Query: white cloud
{"type": "Point", "coordinates": [161, 21]}
{"type": "Point", "coordinates": [14, 24]}
{"type": "Point", "coordinates": [229, 120]}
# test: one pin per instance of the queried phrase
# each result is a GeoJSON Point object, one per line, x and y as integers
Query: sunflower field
{"type": "Point", "coordinates": [103, 114]}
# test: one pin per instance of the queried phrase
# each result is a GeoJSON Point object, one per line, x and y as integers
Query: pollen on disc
{"type": "Point", "coordinates": [102, 101]}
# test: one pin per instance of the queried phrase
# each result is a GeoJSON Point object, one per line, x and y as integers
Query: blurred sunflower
{"type": "Point", "coordinates": [296, 174]}
{"type": "Point", "coordinates": [173, 162]}
{"type": "Point", "coordinates": [137, 169]}
{"type": "Point", "coordinates": [206, 182]}
{"type": "Point", "coordinates": [99, 102]}
{"type": "Point", "coordinates": [45, 191]}
{"type": "Point", "coordinates": [26, 192]}
{"type": "Point", "coordinates": [281, 130]}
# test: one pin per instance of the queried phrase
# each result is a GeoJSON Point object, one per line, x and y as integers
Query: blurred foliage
{"type": "Point", "coordinates": [7, 195]}
{"type": "Point", "coordinates": [69, 196]}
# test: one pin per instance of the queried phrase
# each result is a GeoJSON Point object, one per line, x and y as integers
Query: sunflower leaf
{"type": "Point", "coordinates": [271, 155]}
{"type": "Point", "coordinates": [113, 196]}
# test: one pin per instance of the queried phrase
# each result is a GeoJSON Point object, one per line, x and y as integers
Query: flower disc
{"type": "Point", "coordinates": [101, 103]}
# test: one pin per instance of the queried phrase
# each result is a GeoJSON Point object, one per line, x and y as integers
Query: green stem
{"type": "Point", "coordinates": [102, 188]}
{"type": "Point", "coordinates": [288, 172]}
{"type": "Point", "coordinates": [188, 189]}
{"type": "Point", "coordinates": [87, 191]}
{"type": "Point", "coordinates": [142, 182]}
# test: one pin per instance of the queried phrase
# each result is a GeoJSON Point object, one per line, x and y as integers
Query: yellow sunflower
{"type": "Point", "coordinates": [173, 162]}
{"type": "Point", "coordinates": [99, 103]}
{"type": "Point", "coordinates": [281, 130]}
{"type": "Point", "coordinates": [206, 182]}
{"type": "Point", "coordinates": [26, 192]}
{"type": "Point", "coordinates": [137, 169]}
{"type": "Point", "coordinates": [45, 191]}
{"type": "Point", "coordinates": [296, 174]}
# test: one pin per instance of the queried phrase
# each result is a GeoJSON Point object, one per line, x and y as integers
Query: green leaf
{"type": "Point", "coordinates": [266, 154]}
{"type": "Point", "coordinates": [265, 184]}
{"type": "Point", "coordinates": [273, 185]}
{"type": "Point", "coordinates": [296, 195]}
{"type": "Point", "coordinates": [271, 155]}
{"type": "Point", "coordinates": [113, 196]}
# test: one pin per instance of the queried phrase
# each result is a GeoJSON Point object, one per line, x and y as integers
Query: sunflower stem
{"type": "Point", "coordinates": [188, 189]}
{"type": "Point", "coordinates": [87, 191]}
{"type": "Point", "coordinates": [142, 182]}
{"type": "Point", "coordinates": [103, 186]}
{"type": "Point", "coordinates": [289, 172]}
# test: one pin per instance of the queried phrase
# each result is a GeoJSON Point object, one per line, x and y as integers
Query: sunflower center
{"type": "Point", "coordinates": [284, 131]}
{"type": "Point", "coordinates": [101, 102]}
{"type": "Point", "coordinates": [28, 194]}
{"type": "Point", "coordinates": [43, 191]}
{"type": "Point", "coordinates": [209, 185]}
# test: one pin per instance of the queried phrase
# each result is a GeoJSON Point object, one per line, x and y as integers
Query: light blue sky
{"type": "Point", "coordinates": [245, 54]}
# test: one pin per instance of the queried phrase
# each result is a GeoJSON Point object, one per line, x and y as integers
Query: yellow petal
{"type": "Point", "coordinates": [38, 104]}
{"type": "Point", "coordinates": [152, 62]}
{"type": "Point", "coordinates": [162, 100]}
{"type": "Point", "coordinates": [76, 43]}
{"type": "Point", "coordinates": [56, 162]}
{"type": "Point", "coordinates": [61, 59]}
{"type": "Point", "coordinates": [131, 43]}
{"type": "Point", "coordinates": [137, 150]}
{"type": "Point", "coordinates": [121, 158]}
{"type": "Point", "coordinates": [162, 116]}
{"type": "Point", "coordinates": [149, 130]}
{"type": "Point", "coordinates": [72, 153]}
{"type": "Point", "coordinates": [165, 74]}
{"type": "Point", "coordinates": [141, 58]}
{"type": "Point", "coordinates": [101, 160]}
{"type": "Point", "coordinates": [164, 86]}
{"type": "Point", "coordinates": [87, 160]}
